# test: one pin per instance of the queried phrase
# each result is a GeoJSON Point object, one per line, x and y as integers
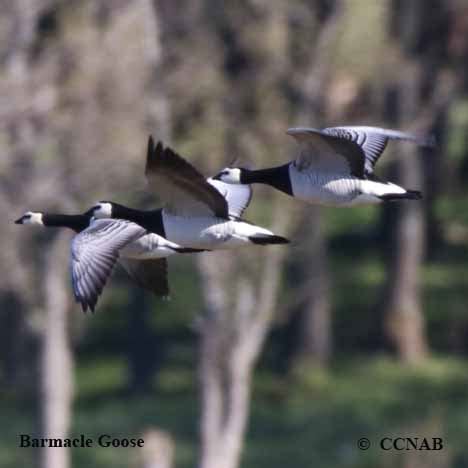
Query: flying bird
{"type": "Point", "coordinates": [197, 213]}
{"type": "Point", "coordinates": [335, 166]}
{"type": "Point", "coordinates": [99, 244]}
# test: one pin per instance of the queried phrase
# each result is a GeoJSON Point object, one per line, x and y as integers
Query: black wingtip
{"type": "Point", "coordinates": [159, 147]}
{"type": "Point", "coordinates": [153, 153]}
{"type": "Point", "coordinates": [85, 306]}
{"type": "Point", "coordinates": [150, 148]}
{"type": "Point", "coordinates": [169, 152]}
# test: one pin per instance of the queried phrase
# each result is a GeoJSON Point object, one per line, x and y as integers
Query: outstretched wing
{"type": "Point", "coordinates": [238, 196]}
{"type": "Point", "coordinates": [94, 253]}
{"type": "Point", "coordinates": [321, 151]}
{"type": "Point", "coordinates": [373, 140]}
{"type": "Point", "coordinates": [180, 186]}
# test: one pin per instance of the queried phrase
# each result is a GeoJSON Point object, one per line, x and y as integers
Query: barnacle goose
{"type": "Point", "coordinates": [197, 213]}
{"type": "Point", "coordinates": [335, 166]}
{"type": "Point", "coordinates": [99, 244]}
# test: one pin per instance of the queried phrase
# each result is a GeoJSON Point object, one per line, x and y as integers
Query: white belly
{"type": "Point", "coordinates": [323, 188]}
{"type": "Point", "coordinates": [209, 232]}
{"type": "Point", "coordinates": [198, 233]}
{"type": "Point", "coordinates": [147, 247]}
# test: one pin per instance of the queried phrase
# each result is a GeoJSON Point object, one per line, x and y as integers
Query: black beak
{"type": "Point", "coordinates": [217, 177]}
{"type": "Point", "coordinates": [19, 220]}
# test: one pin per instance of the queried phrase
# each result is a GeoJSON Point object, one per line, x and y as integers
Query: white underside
{"type": "Point", "coordinates": [325, 188]}
{"type": "Point", "coordinates": [372, 190]}
{"type": "Point", "coordinates": [209, 232]}
{"type": "Point", "coordinates": [148, 247]}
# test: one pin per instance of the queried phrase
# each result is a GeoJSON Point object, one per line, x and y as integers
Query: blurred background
{"type": "Point", "coordinates": [266, 356]}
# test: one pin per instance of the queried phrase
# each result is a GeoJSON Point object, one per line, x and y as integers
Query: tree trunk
{"type": "Point", "coordinates": [158, 107]}
{"type": "Point", "coordinates": [56, 361]}
{"type": "Point", "coordinates": [231, 338]}
{"type": "Point", "coordinates": [144, 351]}
{"type": "Point", "coordinates": [404, 317]}
{"type": "Point", "coordinates": [314, 341]}
{"type": "Point", "coordinates": [158, 450]}
{"type": "Point", "coordinates": [405, 325]}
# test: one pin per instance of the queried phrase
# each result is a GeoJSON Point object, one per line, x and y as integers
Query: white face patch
{"type": "Point", "coordinates": [230, 175]}
{"type": "Point", "coordinates": [103, 210]}
{"type": "Point", "coordinates": [33, 218]}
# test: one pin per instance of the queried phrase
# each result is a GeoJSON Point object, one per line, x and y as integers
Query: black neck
{"type": "Point", "coordinates": [150, 220]}
{"type": "Point", "coordinates": [75, 222]}
{"type": "Point", "coordinates": [277, 177]}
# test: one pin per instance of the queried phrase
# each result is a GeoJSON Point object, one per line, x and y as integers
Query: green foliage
{"type": "Point", "coordinates": [457, 133]}
{"type": "Point", "coordinates": [358, 220]}
{"type": "Point", "coordinates": [228, 83]}
{"type": "Point", "coordinates": [316, 420]}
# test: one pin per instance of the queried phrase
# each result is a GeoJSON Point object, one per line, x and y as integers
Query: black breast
{"type": "Point", "coordinates": [277, 177]}
{"type": "Point", "coordinates": [153, 222]}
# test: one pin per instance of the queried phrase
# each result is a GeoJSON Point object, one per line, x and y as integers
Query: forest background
{"type": "Point", "coordinates": [267, 356]}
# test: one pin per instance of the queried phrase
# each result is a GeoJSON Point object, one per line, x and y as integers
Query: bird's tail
{"type": "Point", "coordinates": [408, 195]}
{"type": "Point", "coordinates": [268, 239]}
{"type": "Point", "coordinates": [386, 191]}
{"type": "Point", "coordinates": [186, 250]}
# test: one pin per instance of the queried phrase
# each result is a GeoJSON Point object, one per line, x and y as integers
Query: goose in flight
{"type": "Point", "coordinates": [197, 213]}
{"type": "Point", "coordinates": [335, 166]}
{"type": "Point", "coordinates": [99, 244]}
